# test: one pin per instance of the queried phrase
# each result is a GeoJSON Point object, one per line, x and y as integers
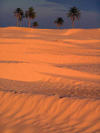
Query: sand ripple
{"type": "Point", "coordinates": [48, 114]}
{"type": "Point", "coordinates": [63, 65]}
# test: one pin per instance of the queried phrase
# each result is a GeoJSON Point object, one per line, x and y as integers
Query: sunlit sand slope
{"type": "Point", "coordinates": [49, 80]}
{"type": "Point", "coordinates": [50, 61]}
{"type": "Point", "coordinates": [48, 114]}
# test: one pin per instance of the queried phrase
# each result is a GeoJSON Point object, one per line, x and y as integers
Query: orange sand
{"type": "Point", "coordinates": [49, 80]}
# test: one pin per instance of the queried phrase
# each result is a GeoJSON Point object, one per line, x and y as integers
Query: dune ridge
{"type": "Point", "coordinates": [41, 113]}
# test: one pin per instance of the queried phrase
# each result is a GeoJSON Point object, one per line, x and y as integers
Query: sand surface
{"type": "Point", "coordinates": [49, 80]}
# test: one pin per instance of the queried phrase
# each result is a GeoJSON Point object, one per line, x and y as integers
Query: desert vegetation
{"type": "Point", "coordinates": [30, 14]}
{"type": "Point", "coordinates": [59, 22]}
{"type": "Point", "coordinates": [73, 14]}
{"type": "Point", "coordinates": [35, 24]}
{"type": "Point", "coordinates": [19, 14]}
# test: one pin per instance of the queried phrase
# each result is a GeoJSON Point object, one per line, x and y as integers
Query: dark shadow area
{"type": "Point", "coordinates": [15, 62]}
{"type": "Point", "coordinates": [90, 68]}
{"type": "Point", "coordinates": [10, 43]}
{"type": "Point", "coordinates": [51, 88]}
{"type": "Point", "coordinates": [91, 80]}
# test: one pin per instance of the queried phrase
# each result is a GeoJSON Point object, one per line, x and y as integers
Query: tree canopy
{"type": "Point", "coordinates": [35, 24]}
{"type": "Point", "coordinates": [59, 22]}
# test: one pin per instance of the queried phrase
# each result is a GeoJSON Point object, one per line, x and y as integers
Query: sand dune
{"type": "Point", "coordinates": [49, 80]}
{"type": "Point", "coordinates": [42, 113]}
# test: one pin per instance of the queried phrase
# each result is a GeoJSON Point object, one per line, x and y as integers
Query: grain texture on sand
{"type": "Point", "coordinates": [49, 80]}
{"type": "Point", "coordinates": [48, 114]}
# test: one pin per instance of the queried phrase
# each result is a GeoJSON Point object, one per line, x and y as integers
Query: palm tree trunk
{"type": "Point", "coordinates": [57, 26]}
{"type": "Point", "coordinates": [20, 23]}
{"type": "Point", "coordinates": [29, 22]}
{"type": "Point", "coordinates": [17, 21]}
{"type": "Point", "coordinates": [73, 24]}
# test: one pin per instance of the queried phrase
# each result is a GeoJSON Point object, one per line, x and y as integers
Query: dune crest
{"type": "Point", "coordinates": [42, 113]}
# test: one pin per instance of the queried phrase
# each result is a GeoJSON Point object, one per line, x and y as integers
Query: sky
{"type": "Point", "coordinates": [47, 11]}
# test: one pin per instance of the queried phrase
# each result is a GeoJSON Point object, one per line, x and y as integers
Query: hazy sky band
{"type": "Point", "coordinates": [48, 10]}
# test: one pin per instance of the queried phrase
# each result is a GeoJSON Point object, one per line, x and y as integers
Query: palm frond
{"type": "Point", "coordinates": [74, 13]}
{"type": "Point", "coordinates": [35, 24]}
{"type": "Point", "coordinates": [30, 13]}
{"type": "Point", "coordinates": [59, 22]}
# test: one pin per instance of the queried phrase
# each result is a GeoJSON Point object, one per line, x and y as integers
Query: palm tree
{"type": "Point", "coordinates": [21, 17]}
{"type": "Point", "coordinates": [17, 13]}
{"type": "Point", "coordinates": [74, 13]}
{"type": "Point", "coordinates": [35, 24]}
{"type": "Point", "coordinates": [30, 14]}
{"type": "Point", "coordinates": [59, 22]}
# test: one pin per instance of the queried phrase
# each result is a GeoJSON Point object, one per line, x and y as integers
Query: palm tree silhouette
{"type": "Point", "coordinates": [74, 13]}
{"type": "Point", "coordinates": [59, 22]}
{"type": "Point", "coordinates": [30, 14]}
{"type": "Point", "coordinates": [21, 17]}
{"type": "Point", "coordinates": [35, 24]}
{"type": "Point", "coordinates": [18, 14]}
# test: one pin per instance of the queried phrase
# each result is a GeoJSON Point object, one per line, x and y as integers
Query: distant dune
{"type": "Point", "coordinates": [49, 80]}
